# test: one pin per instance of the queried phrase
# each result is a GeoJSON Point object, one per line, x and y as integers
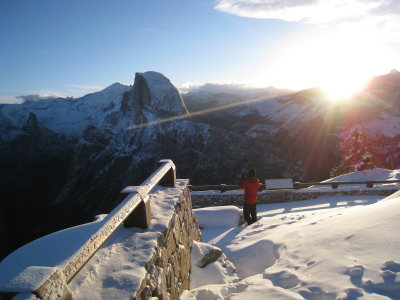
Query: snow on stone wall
{"type": "Point", "coordinates": [168, 271]}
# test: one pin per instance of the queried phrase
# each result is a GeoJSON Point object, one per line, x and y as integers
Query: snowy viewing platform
{"type": "Point", "coordinates": [149, 255]}
{"type": "Point", "coordinates": [300, 243]}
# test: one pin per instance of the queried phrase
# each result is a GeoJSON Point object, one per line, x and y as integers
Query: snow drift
{"type": "Point", "coordinates": [336, 247]}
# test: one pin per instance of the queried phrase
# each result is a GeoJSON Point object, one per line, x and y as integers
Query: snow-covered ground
{"type": "Point", "coordinates": [333, 247]}
{"type": "Point", "coordinates": [377, 174]}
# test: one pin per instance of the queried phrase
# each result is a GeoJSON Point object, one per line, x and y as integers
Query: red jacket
{"type": "Point", "coordinates": [250, 187]}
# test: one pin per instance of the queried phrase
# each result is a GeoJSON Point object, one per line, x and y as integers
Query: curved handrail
{"type": "Point", "coordinates": [53, 285]}
{"type": "Point", "coordinates": [165, 175]}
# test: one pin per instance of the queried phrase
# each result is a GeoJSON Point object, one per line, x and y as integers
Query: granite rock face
{"type": "Point", "coordinates": [152, 97]}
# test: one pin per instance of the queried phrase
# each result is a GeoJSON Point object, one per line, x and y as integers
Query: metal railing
{"type": "Point", "coordinates": [134, 210]}
{"type": "Point", "coordinates": [296, 185]}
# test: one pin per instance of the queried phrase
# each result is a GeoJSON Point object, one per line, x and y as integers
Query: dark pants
{"type": "Point", "coordinates": [250, 213]}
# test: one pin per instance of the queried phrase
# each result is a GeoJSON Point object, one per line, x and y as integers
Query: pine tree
{"type": "Point", "coordinates": [361, 152]}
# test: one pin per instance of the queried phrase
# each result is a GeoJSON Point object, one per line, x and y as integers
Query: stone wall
{"type": "Point", "coordinates": [205, 199]}
{"type": "Point", "coordinates": [168, 271]}
{"type": "Point", "coordinates": [134, 262]}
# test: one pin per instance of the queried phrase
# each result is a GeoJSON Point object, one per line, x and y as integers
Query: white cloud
{"type": "Point", "coordinates": [38, 97]}
{"type": "Point", "coordinates": [29, 98]}
{"type": "Point", "coordinates": [308, 11]}
{"type": "Point", "coordinates": [367, 14]}
{"type": "Point", "coordinates": [74, 90]}
{"type": "Point", "coordinates": [10, 100]}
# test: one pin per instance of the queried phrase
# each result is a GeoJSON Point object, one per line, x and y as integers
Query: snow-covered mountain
{"type": "Point", "coordinates": [70, 158]}
{"type": "Point", "coordinates": [67, 117]}
{"type": "Point", "coordinates": [316, 125]}
{"type": "Point", "coordinates": [66, 160]}
{"type": "Point", "coordinates": [376, 109]}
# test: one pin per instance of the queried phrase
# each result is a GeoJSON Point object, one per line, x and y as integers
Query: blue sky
{"type": "Point", "coordinates": [71, 48]}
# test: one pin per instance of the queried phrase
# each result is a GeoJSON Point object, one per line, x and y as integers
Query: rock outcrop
{"type": "Point", "coordinates": [152, 97]}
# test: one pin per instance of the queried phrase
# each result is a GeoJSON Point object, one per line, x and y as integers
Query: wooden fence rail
{"type": "Point", "coordinates": [335, 184]}
{"type": "Point", "coordinates": [134, 210]}
{"type": "Point", "coordinates": [296, 185]}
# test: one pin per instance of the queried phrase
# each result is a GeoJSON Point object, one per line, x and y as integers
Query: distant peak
{"type": "Point", "coordinates": [114, 86]}
{"type": "Point", "coordinates": [153, 89]}
{"type": "Point", "coordinates": [394, 71]}
{"type": "Point", "coordinates": [154, 78]}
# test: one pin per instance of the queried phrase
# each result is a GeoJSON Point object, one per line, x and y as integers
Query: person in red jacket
{"type": "Point", "coordinates": [250, 185]}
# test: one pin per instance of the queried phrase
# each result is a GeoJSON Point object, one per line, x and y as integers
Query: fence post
{"type": "Point", "coordinates": [141, 215]}
{"type": "Point", "coordinates": [222, 188]}
{"type": "Point", "coordinates": [57, 282]}
{"type": "Point", "coordinates": [168, 179]}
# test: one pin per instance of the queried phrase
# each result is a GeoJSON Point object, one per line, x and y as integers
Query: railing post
{"type": "Point", "coordinates": [55, 283]}
{"type": "Point", "coordinates": [222, 188]}
{"type": "Point", "coordinates": [49, 283]}
{"type": "Point", "coordinates": [141, 215]}
{"type": "Point", "coordinates": [169, 179]}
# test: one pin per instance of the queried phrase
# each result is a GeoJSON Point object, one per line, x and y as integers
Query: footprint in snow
{"type": "Point", "coordinates": [387, 287]}
{"type": "Point", "coordinates": [254, 232]}
{"type": "Point", "coordinates": [351, 294]}
{"type": "Point", "coordinates": [391, 266]}
{"type": "Point", "coordinates": [310, 263]}
{"type": "Point", "coordinates": [356, 273]}
{"type": "Point", "coordinates": [284, 279]}
{"type": "Point", "coordinates": [315, 292]}
{"type": "Point", "coordinates": [272, 226]}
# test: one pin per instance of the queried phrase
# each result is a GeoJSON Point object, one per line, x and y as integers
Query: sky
{"type": "Point", "coordinates": [71, 48]}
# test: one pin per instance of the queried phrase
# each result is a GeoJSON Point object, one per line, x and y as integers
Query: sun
{"type": "Point", "coordinates": [340, 62]}
{"type": "Point", "coordinates": [346, 62]}
{"type": "Point", "coordinates": [340, 87]}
